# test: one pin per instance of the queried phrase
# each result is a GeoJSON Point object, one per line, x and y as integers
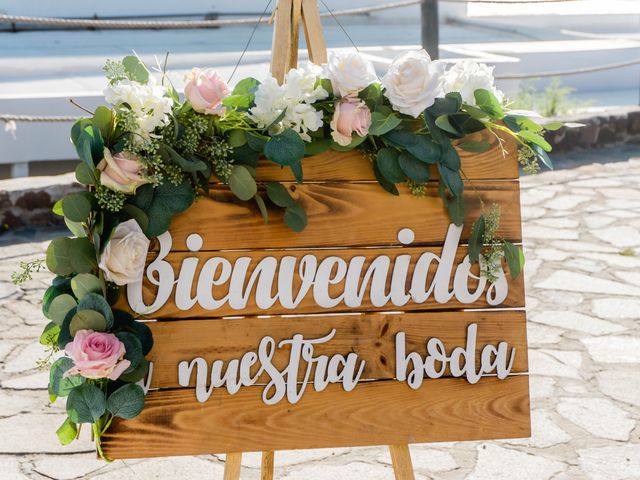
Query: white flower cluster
{"type": "Point", "coordinates": [295, 97]}
{"type": "Point", "coordinates": [148, 102]}
{"type": "Point", "coordinates": [413, 81]}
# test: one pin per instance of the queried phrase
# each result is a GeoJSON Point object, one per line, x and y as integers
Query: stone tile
{"type": "Point", "coordinates": [38, 380]}
{"type": "Point", "coordinates": [576, 247]}
{"type": "Point", "coordinates": [578, 282]}
{"type": "Point", "coordinates": [622, 236]}
{"type": "Point", "coordinates": [293, 457]}
{"type": "Point", "coordinates": [587, 265]}
{"type": "Point", "coordinates": [161, 468]}
{"type": "Point", "coordinates": [347, 471]}
{"type": "Point", "coordinates": [25, 358]}
{"type": "Point", "coordinates": [598, 221]}
{"type": "Point", "coordinates": [551, 254]}
{"type": "Point", "coordinates": [533, 197]}
{"type": "Point", "coordinates": [12, 403]}
{"type": "Point", "coordinates": [561, 298]}
{"type": "Point", "coordinates": [621, 383]}
{"type": "Point", "coordinates": [542, 363]}
{"type": "Point", "coordinates": [614, 260]}
{"type": "Point", "coordinates": [629, 277]}
{"type": "Point", "coordinates": [558, 222]}
{"type": "Point", "coordinates": [566, 202]}
{"type": "Point", "coordinates": [613, 349]}
{"type": "Point", "coordinates": [10, 468]}
{"type": "Point", "coordinates": [23, 438]}
{"type": "Point", "coordinates": [538, 334]}
{"type": "Point", "coordinates": [544, 432]}
{"type": "Point", "coordinates": [73, 466]}
{"type": "Point", "coordinates": [534, 231]}
{"type": "Point", "coordinates": [498, 463]}
{"type": "Point", "coordinates": [611, 463]}
{"type": "Point", "coordinates": [532, 212]}
{"type": "Point", "coordinates": [540, 387]}
{"type": "Point", "coordinates": [616, 308]}
{"type": "Point", "coordinates": [598, 416]}
{"type": "Point", "coordinates": [576, 321]}
{"type": "Point", "coordinates": [27, 312]}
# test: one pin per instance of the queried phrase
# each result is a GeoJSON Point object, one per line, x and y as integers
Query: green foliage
{"type": "Point", "coordinates": [514, 257]}
{"type": "Point", "coordinates": [242, 183]}
{"type": "Point", "coordinates": [59, 385]}
{"type": "Point", "coordinates": [286, 148]}
{"type": "Point", "coordinates": [135, 69]}
{"type": "Point", "coordinates": [554, 100]}
{"type": "Point", "coordinates": [126, 402]}
{"type": "Point", "coordinates": [59, 307]}
{"type": "Point", "coordinates": [67, 432]}
{"type": "Point", "coordinates": [389, 165]}
{"type": "Point", "coordinates": [383, 121]}
{"type": "Point", "coordinates": [26, 271]}
{"type": "Point", "coordinates": [86, 404]}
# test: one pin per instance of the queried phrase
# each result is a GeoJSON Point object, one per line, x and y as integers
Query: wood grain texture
{"type": "Point", "coordinates": [347, 214]}
{"type": "Point", "coordinates": [332, 166]}
{"type": "Point", "coordinates": [401, 461]}
{"type": "Point", "coordinates": [515, 297]}
{"type": "Point", "coordinates": [232, 466]}
{"type": "Point", "coordinates": [314, 35]}
{"type": "Point", "coordinates": [371, 336]}
{"type": "Point", "coordinates": [374, 413]}
{"type": "Point", "coordinates": [266, 465]}
{"type": "Point", "coordinates": [281, 40]}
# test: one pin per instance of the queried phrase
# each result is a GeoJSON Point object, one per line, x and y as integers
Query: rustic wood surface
{"type": "Point", "coordinates": [401, 461]}
{"type": "Point", "coordinates": [387, 412]}
{"type": "Point", "coordinates": [371, 336]}
{"type": "Point", "coordinates": [347, 214]}
{"type": "Point", "coordinates": [232, 466]}
{"type": "Point", "coordinates": [313, 33]}
{"type": "Point", "coordinates": [281, 40]}
{"type": "Point", "coordinates": [266, 465]}
{"type": "Point", "coordinates": [169, 311]}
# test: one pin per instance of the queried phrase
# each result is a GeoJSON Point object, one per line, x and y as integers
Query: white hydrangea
{"type": "Point", "coordinates": [296, 95]}
{"type": "Point", "coordinates": [468, 76]}
{"type": "Point", "coordinates": [149, 103]}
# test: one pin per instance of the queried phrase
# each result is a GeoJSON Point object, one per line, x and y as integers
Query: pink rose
{"type": "Point", "coordinates": [351, 116]}
{"type": "Point", "coordinates": [96, 355]}
{"type": "Point", "coordinates": [120, 172]}
{"type": "Point", "coordinates": [205, 90]}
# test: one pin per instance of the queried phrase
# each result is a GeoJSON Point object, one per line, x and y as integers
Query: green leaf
{"type": "Point", "coordinates": [488, 103]}
{"type": "Point", "coordinates": [135, 69]}
{"type": "Point", "coordinates": [84, 174]}
{"type": "Point", "coordinates": [136, 375]}
{"type": "Point", "coordinates": [425, 149]}
{"type": "Point", "coordinates": [413, 168]}
{"type": "Point", "coordinates": [382, 123]}
{"type": "Point", "coordinates": [175, 198]}
{"type": "Point", "coordinates": [256, 142]}
{"type": "Point", "coordinates": [542, 156]}
{"type": "Point", "coordinates": [296, 169]}
{"type": "Point", "coordinates": [295, 217]}
{"type": "Point", "coordinates": [57, 208]}
{"type": "Point", "coordinates": [49, 294]}
{"type": "Point", "coordinates": [514, 257]}
{"type": "Point", "coordinates": [60, 306]}
{"type": "Point", "coordinates": [133, 348]}
{"type": "Point", "coordinates": [64, 336]}
{"type": "Point", "coordinates": [67, 432]}
{"type": "Point", "coordinates": [159, 219]}
{"type": "Point", "coordinates": [371, 95]}
{"type": "Point", "coordinates": [263, 208]}
{"type": "Point", "coordinates": [279, 195]}
{"type": "Point", "coordinates": [190, 165]}
{"type": "Point", "coordinates": [448, 105]}
{"type": "Point", "coordinates": [443, 124]}
{"type": "Point", "coordinates": [58, 258]}
{"type": "Point", "coordinates": [476, 240]}
{"type": "Point", "coordinates": [87, 320]}
{"type": "Point", "coordinates": [451, 179]}
{"type": "Point", "coordinates": [97, 303]}
{"type": "Point", "coordinates": [450, 158]}
{"type": "Point", "coordinates": [535, 139]}
{"type": "Point", "coordinates": [76, 228]}
{"type": "Point", "coordinates": [237, 138]}
{"type": "Point", "coordinates": [475, 146]}
{"type": "Point", "coordinates": [137, 214]}
{"type": "Point", "coordinates": [387, 162]}
{"type": "Point", "coordinates": [126, 402]}
{"type": "Point", "coordinates": [86, 404]}
{"type": "Point", "coordinates": [84, 283]}
{"type": "Point", "coordinates": [317, 146]}
{"type": "Point", "coordinates": [242, 184]}
{"type": "Point", "coordinates": [59, 385]}
{"type": "Point", "coordinates": [286, 148]}
{"type": "Point", "coordinates": [384, 183]}
{"type": "Point", "coordinates": [49, 336]}
{"type": "Point", "coordinates": [90, 145]}
{"type": "Point", "coordinates": [246, 86]}
{"type": "Point", "coordinates": [103, 119]}
{"type": "Point", "coordinates": [76, 207]}
{"type": "Point", "coordinates": [240, 102]}
{"type": "Point", "coordinates": [455, 208]}
{"type": "Point", "coordinates": [553, 126]}
{"type": "Point", "coordinates": [83, 255]}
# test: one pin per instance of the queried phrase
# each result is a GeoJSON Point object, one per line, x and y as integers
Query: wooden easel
{"type": "Point", "coordinates": [289, 14]}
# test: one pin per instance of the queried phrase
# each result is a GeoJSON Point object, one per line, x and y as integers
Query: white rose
{"type": "Point", "coordinates": [349, 72]}
{"type": "Point", "coordinates": [124, 257]}
{"type": "Point", "coordinates": [468, 76]}
{"type": "Point", "coordinates": [412, 82]}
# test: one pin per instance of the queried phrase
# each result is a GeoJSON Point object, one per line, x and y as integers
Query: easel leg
{"type": "Point", "coordinates": [232, 466]}
{"type": "Point", "coordinates": [401, 460]}
{"type": "Point", "coordinates": [267, 465]}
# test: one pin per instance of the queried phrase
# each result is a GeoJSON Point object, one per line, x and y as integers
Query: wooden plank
{"type": "Point", "coordinates": [353, 166]}
{"type": "Point", "coordinates": [387, 412]}
{"type": "Point", "coordinates": [401, 461]}
{"type": "Point", "coordinates": [232, 466]}
{"type": "Point", "coordinates": [281, 40]}
{"type": "Point", "coordinates": [515, 296]}
{"type": "Point", "coordinates": [314, 35]}
{"type": "Point", "coordinates": [371, 336]}
{"type": "Point", "coordinates": [266, 465]}
{"type": "Point", "coordinates": [342, 215]}
{"type": "Point", "coordinates": [296, 17]}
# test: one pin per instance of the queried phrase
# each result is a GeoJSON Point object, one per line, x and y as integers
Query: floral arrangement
{"type": "Point", "coordinates": [150, 154]}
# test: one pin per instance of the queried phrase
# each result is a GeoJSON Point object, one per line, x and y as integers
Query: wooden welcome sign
{"type": "Point", "coordinates": [370, 327]}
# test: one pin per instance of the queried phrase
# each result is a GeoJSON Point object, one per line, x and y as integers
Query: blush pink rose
{"type": "Point", "coordinates": [121, 172]}
{"type": "Point", "coordinates": [205, 90]}
{"type": "Point", "coordinates": [96, 355]}
{"type": "Point", "coordinates": [351, 116]}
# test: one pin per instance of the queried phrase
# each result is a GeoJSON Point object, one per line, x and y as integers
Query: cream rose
{"type": "Point", "coordinates": [468, 76]}
{"type": "Point", "coordinates": [205, 90]}
{"type": "Point", "coordinates": [351, 116]}
{"type": "Point", "coordinates": [120, 172]}
{"type": "Point", "coordinates": [349, 72]}
{"type": "Point", "coordinates": [413, 82]}
{"type": "Point", "coordinates": [123, 259]}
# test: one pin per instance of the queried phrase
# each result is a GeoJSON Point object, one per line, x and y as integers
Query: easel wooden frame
{"type": "Point", "coordinates": [289, 15]}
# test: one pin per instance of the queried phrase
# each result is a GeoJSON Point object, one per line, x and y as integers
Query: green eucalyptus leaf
{"type": "Point", "coordinates": [553, 126]}
{"type": "Point", "coordinates": [514, 257]}
{"type": "Point", "coordinates": [103, 119]}
{"type": "Point", "coordinates": [542, 156]}
{"type": "Point", "coordinates": [64, 336]}
{"type": "Point", "coordinates": [59, 385]}
{"type": "Point", "coordinates": [90, 145]}
{"type": "Point", "coordinates": [286, 148]}
{"type": "Point", "coordinates": [371, 95]}
{"type": "Point", "coordinates": [85, 174]}
{"type": "Point", "coordinates": [263, 208]}
{"type": "Point", "coordinates": [137, 214]}
{"type": "Point", "coordinates": [476, 240]}
{"type": "Point", "coordinates": [246, 86]}
{"type": "Point", "coordinates": [49, 294]}
{"type": "Point", "coordinates": [382, 123]}
{"type": "Point", "coordinates": [384, 183]}
{"type": "Point", "coordinates": [87, 320]}
{"type": "Point", "coordinates": [86, 404]}
{"type": "Point", "coordinates": [76, 207]}
{"type": "Point", "coordinates": [455, 208]}
{"type": "Point", "coordinates": [450, 158]}
{"type": "Point", "coordinates": [475, 146]}
{"type": "Point", "coordinates": [317, 146]}
{"type": "Point", "coordinates": [49, 336]}
{"type": "Point", "coordinates": [83, 255]}
{"type": "Point", "coordinates": [57, 208]}
{"type": "Point", "coordinates": [295, 217]}
{"type": "Point", "coordinates": [84, 283]}
{"type": "Point", "coordinates": [413, 168]}
{"type": "Point", "coordinates": [242, 184]}
{"type": "Point", "coordinates": [424, 149]}
{"type": "Point", "coordinates": [67, 432]}
{"type": "Point", "coordinates": [443, 124]}
{"type": "Point", "coordinates": [451, 179]}
{"type": "Point", "coordinates": [136, 375]}
{"type": "Point", "coordinates": [279, 195]}
{"type": "Point", "coordinates": [60, 306]}
{"type": "Point", "coordinates": [59, 254]}
{"type": "Point", "coordinates": [296, 169]}
{"type": "Point", "coordinates": [448, 105]}
{"type": "Point", "coordinates": [488, 103]}
{"type": "Point", "coordinates": [135, 69]}
{"type": "Point", "coordinates": [256, 142]}
{"type": "Point", "coordinates": [76, 228]}
{"type": "Point", "coordinates": [133, 348]}
{"type": "Point", "coordinates": [126, 402]}
{"type": "Point", "coordinates": [97, 303]}
{"type": "Point", "coordinates": [533, 138]}
{"type": "Point", "coordinates": [387, 162]}
{"type": "Point", "coordinates": [237, 138]}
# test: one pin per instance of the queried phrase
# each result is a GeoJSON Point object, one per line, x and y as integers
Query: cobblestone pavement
{"type": "Point", "coordinates": [582, 233]}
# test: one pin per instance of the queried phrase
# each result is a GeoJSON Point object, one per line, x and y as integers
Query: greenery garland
{"type": "Point", "coordinates": [178, 152]}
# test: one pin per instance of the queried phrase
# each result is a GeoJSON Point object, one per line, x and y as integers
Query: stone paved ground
{"type": "Point", "coordinates": [582, 233]}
